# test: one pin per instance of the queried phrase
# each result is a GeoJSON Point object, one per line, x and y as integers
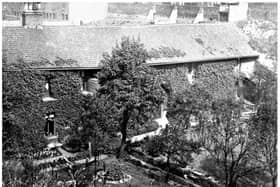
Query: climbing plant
{"type": "Point", "coordinates": [24, 109]}
{"type": "Point", "coordinates": [217, 78]}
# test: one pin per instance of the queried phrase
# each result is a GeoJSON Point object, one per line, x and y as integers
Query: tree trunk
{"type": "Point", "coordinates": [232, 184]}
{"type": "Point", "coordinates": [274, 181]}
{"type": "Point", "coordinates": [123, 125]}
{"type": "Point", "coordinates": [232, 181]}
{"type": "Point", "coordinates": [167, 169]}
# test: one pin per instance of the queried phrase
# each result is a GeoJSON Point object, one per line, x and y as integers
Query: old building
{"type": "Point", "coordinates": [212, 55]}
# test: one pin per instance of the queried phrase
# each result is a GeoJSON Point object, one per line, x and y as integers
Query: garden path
{"type": "Point", "coordinates": [162, 122]}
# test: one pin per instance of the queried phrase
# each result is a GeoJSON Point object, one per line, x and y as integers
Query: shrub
{"type": "Point", "coordinates": [154, 146]}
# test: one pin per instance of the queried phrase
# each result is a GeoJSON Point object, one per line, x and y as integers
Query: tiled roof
{"type": "Point", "coordinates": [86, 44]}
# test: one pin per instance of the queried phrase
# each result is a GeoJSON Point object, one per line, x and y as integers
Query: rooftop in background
{"type": "Point", "coordinates": [12, 11]}
{"type": "Point", "coordinates": [104, 14]}
{"type": "Point", "coordinates": [86, 44]}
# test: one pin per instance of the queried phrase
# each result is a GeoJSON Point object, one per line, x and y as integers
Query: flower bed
{"type": "Point", "coordinates": [45, 154]}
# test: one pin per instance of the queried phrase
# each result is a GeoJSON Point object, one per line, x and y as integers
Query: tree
{"type": "Point", "coordinates": [175, 146]}
{"type": "Point", "coordinates": [130, 85]}
{"type": "Point", "coordinates": [25, 174]}
{"type": "Point", "coordinates": [95, 125]}
{"type": "Point", "coordinates": [266, 85]}
{"type": "Point", "coordinates": [228, 144]}
{"type": "Point", "coordinates": [174, 141]}
{"type": "Point", "coordinates": [263, 124]}
{"type": "Point", "coordinates": [195, 102]}
{"type": "Point", "coordinates": [263, 132]}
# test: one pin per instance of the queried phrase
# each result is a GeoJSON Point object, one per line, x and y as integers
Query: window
{"type": "Point", "coordinates": [48, 88]}
{"type": "Point", "coordinates": [48, 95]}
{"type": "Point", "coordinates": [50, 126]}
{"type": "Point", "coordinates": [90, 85]}
{"type": "Point", "coordinates": [190, 73]}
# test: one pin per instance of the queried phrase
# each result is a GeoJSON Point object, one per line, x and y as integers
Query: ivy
{"type": "Point", "coordinates": [176, 75]}
{"type": "Point", "coordinates": [217, 78]}
{"type": "Point", "coordinates": [165, 51]}
{"type": "Point", "coordinates": [24, 109]}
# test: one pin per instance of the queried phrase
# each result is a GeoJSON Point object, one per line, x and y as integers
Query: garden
{"type": "Point", "coordinates": [97, 150]}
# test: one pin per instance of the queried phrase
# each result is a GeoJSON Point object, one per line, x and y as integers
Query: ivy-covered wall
{"type": "Point", "coordinates": [176, 75]}
{"type": "Point", "coordinates": [217, 78]}
{"type": "Point", "coordinates": [23, 91]}
{"type": "Point", "coordinates": [66, 88]}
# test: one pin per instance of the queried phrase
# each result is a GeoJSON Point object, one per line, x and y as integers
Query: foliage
{"type": "Point", "coordinates": [167, 52]}
{"type": "Point", "coordinates": [193, 101]}
{"type": "Point", "coordinates": [95, 124]}
{"type": "Point", "coordinates": [146, 127]}
{"type": "Point", "coordinates": [174, 141]}
{"type": "Point", "coordinates": [24, 110]}
{"type": "Point", "coordinates": [173, 144]}
{"type": "Point", "coordinates": [175, 75]}
{"type": "Point", "coordinates": [262, 38]}
{"type": "Point", "coordinates": [25, 174]}
{"type": "Point", "coordinates": [132, 88]}
{"type": "Point", "coordinates": [216, 78]}
{"type": "Point", "coordinates": [154, 146]}
{"type": "Point", "coordinates": [263, 125]}
{"type": "Point", "coordinates": [227, 143]}
{"type": "Point", "coordinates": [263, 132]}
{"type": "Point", "coordinates": [21, 120]}
{"type": "Point", "coordinates": [262, 43]}
{"type": "Point", "coordinates": [266, 85]}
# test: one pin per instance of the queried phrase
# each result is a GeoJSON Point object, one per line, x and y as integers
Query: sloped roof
{"type": "Point", "coordinates": [86, 44]}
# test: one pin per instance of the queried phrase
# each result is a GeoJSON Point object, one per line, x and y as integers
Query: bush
{"type": "Point", "coordinates": [154, 146]}
{"type": "Point", "coordinates": [147, 127]}
{"type": "Point", "coordinates": [73, 145]}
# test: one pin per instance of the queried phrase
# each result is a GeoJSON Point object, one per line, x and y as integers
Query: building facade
{"type": "Point", "coordinates": [211, 55]}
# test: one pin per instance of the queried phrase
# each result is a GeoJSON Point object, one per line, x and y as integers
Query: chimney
{"type": "Point", "coordinates": [151, 15]}
{"type": "Point", "coordinates": [200, 16]}
{"type": "Point", "coordinates": [173, 15]}
{"type": "Point", "coordinates": [32, 15]}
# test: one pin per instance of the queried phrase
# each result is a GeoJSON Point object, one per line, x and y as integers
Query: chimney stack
{"type": "Point", "coordinates": [173, 15]}
{"type": "Point", "coordinates": [32, 15]}
{"type": "Point", "coordinates": [200, 16]}
{"type": "Point", "coordinates": [151, 15]}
